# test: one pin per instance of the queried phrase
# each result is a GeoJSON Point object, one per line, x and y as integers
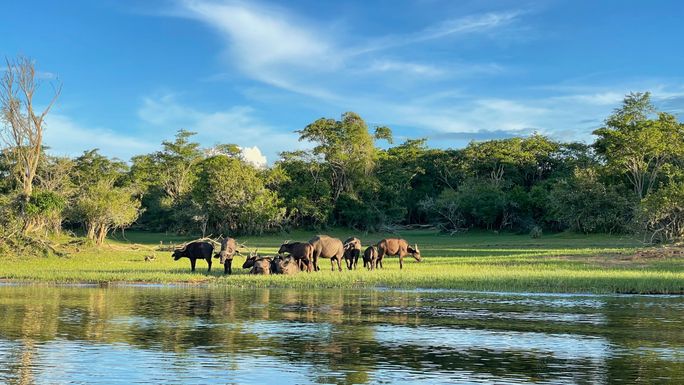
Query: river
{"type": "Point", "coordinates": [202, 335]}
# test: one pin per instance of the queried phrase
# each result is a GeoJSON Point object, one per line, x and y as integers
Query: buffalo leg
{"type": "Point", "coordinates": [339, 263]}
{"type": "Point", "coordinates": [209, 264]}
{"type": "Point", "coordinates": [227, 267]}
{"type": "Point", "coordinates": [332, 264]}
{"type": "Point", "coordinates": [192, 264]}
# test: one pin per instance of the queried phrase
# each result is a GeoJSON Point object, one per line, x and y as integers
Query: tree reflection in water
{"type": "Point", "coordinates": [215, 335]}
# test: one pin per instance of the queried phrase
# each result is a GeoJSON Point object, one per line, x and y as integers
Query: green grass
{"type": "Point", "coordinates": [569, 263]}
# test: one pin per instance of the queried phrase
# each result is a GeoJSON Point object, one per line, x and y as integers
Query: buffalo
{"type": "Point", "coordinates": [370, 257]}
{"type": "Point", "coordinates": [194, 251]}
{"type": "Point", "coordinates": [352, 250]}
{"type": "Point", "coordinates": [286, 265]}
{"type": "Point", "coordinates": [302, 252]}
{"type": "Point", "coordinates": [327, 247]}
{"type": "Point", "coordinates": [228, 250]}
{"type": "Point", "coordinates": [398, 247]}
{"type": "Point", "coordinates": [259, 265]}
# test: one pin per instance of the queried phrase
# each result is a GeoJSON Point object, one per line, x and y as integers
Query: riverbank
{"type": "Point", "coordinates": [559, 263]}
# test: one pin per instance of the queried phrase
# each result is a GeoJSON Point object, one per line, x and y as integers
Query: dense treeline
{"type": "Point", "coordinates": [631, 179]}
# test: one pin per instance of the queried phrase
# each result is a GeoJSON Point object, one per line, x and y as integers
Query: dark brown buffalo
{"type": "Point", "coordinates": [398, 247]}
{"type": "Point", "coordinates": [370, 257]}
{"type": "Point", "coordinates": [195, 251]}
{"type": "Point", "coordinates": [352, 251]}
{"type": "Point", "coordinates": [302, 252]}
{"type": "Point", "coordinates": [258, 264]}
{"type": "Point", "coordinates": [228, 250]}
{"type": "Point", "coordinates": [327, 247]}
{"type": "Point", "coordinates": [286, 265]}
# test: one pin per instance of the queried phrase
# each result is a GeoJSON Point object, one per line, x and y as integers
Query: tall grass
{"type": "Point", "coordinates": [474, 261]}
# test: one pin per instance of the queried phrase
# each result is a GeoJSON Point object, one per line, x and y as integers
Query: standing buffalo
{"type": "Point", "coordinates": [228, 250]}
{"type": "Point", "coordinates": [352, 250]}
{"type": "Point", "coordinates": [302, 252]}
{"type": "Point", "coordinates": [327, 247]}
{"type": "Point", "coordinates": [398, 247]}
{"type": "Point", "coordinates": [195, 251]}
{"type": "Point", "coordinates": [370, 257]}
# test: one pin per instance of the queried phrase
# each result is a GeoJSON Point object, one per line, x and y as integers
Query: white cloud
{"type": "Point", "coordinates": [254, 156]}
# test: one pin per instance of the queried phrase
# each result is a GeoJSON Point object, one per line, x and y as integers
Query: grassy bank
{"type": "Point", "coordinates": [473, 261]}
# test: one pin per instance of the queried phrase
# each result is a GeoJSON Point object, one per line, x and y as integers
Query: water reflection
{"type": "Point", "coordinates": [201, 335]}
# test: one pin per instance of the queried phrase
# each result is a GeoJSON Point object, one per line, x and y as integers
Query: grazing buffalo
{"type": "Point", "coordinates": [398, 247]}
{"type": "Point", "coordinates": [327, 247]}
{"type": "Point", "coordinates": [302, 252]}
{"type": "Point", "coordinates": [228, 250]}
{"type": "Point", "coordinates": [352, 251]}
{"type": "Point", "coordinates": [370, 257]}
{"type": "Point", "coordinates": [195, 251]}
{"type": "Point", "coordinates": [286, 265]}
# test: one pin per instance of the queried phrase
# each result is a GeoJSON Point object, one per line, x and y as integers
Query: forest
{"type": "Point", "coordinates": [630, 180]}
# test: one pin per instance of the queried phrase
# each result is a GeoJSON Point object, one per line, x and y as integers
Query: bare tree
{"type": "Point", "coordinates": [23, 125]}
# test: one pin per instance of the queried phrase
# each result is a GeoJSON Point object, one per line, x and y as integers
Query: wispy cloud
{"type": "Point", "coordinates": [265, 42]}
{"type": "Point", "coordinates": [468, 25]}
{"type": "Point", "coordinates": [67, 137]}
{"type": "Point", "coordinates": [271, 45]}
{"type": "Point", "coordinates": [235, 125]}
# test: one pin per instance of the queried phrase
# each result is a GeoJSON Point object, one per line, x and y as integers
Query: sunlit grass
{"type": "Point", "coordinates": [472, 261]}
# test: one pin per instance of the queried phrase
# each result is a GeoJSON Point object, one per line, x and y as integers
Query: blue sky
{"type": "Point", "coordinates": [251, 73]}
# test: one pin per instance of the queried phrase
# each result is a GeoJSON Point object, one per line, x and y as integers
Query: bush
{"type": "Point", "coordinates": [586, 205]}
{"type": "Point", "coordinates": [661, 214]}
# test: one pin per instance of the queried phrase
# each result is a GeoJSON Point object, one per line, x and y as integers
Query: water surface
{"type": "Point", "coordinates": [197, 335]}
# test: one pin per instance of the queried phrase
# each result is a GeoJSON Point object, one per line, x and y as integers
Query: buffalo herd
{"type": "Point", "coordinates": [294, 257]}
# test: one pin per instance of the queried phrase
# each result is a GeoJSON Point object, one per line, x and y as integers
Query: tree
{"type": "Point", "coordinates": [24, 125]}
{"type": "Point", "coordinates": [662, 214]}
{"type": "Point", "coordinates": [176, 164]}
{"type": "Point", "coordinates": [637, 146]}
{"type": "Point", "coordinates": [165, 180]}
{"type": "Point", "coordinates": [522, 161]}
{"type": "Point", "coordinates": [232, 197]}
{"type": "Point", "coordinates": [102, 207]}
{"type": "Point", "coordinates": [582, 203]}
{"type": "Point", "coordinates": [305, 189]}
{"type": "Point", "coordinates": [103, 199]}
{"type": "Point", "coordinates": [346, 146]}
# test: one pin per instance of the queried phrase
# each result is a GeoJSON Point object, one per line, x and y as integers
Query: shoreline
{"type": "Point", "coordinates": [4, 282]}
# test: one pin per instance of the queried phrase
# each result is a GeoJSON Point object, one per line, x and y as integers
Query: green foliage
{"type": "Point", "coordinates": [305, 190]}
{"type": "Point", "coordinates": [233, 198]}
{"type": "Point", "coordinates": [44, 211]}
{"type": "Point", "coordinates": [347, 148]}
{"type": "Point", "coordinates": [528, 184]}
{"type": "Point", "coordinates": [522, 161]}
{"type": "Point", "coordinates": [102, 207]}
{"type": "Point", "coordinates": [639, 147]}
{"type": "Point", "coordinates": [583, 203]}
{"type": "Point", "coordinates": [661, 214]}
{"type": "Point", "coordinates": [45, 203]}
